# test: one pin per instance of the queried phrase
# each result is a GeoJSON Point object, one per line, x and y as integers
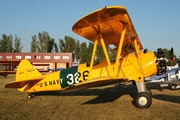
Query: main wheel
{"type": "Point", "coordinates": [143, 100]}
{"type": "Point", "coordinates": [173, 87]}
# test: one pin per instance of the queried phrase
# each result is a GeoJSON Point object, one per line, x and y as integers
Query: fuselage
{"type": "Point", "coordinates": [129, 68]}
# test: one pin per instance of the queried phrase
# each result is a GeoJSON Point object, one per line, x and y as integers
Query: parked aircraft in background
{"type": "Point", "coordinates": [110, 25]}
{"type": "Point", "coordinates": [56, 69]}
{"type": "Point", "coordinates": [4, 74]}
{"type": "Point", "coordinates": [4, 71]}
{"type": "Point", "coordinates": [170, 79]}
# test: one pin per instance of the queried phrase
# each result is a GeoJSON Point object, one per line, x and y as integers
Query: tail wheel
{"type": "Point", "coordinates": [30, 96]}
{"type": "Point", "coordinates": [5, 75]}
{"type": "Point", "coordinates": [143, 100]}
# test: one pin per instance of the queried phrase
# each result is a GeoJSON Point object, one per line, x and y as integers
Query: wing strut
{"type": "Point", "coordinates": [92, 57]}
{"type": "Point", "coordinates": [137, 47]}
{"type": "Point", "coordinates": [111, 71]}
{"type": "Point", "coordinates": [106, 55]}
{"type": "Point", "coordinates": [119, 50]}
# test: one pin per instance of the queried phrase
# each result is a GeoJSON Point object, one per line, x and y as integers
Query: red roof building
{"type": "Point", "coordinates": [42, 61]}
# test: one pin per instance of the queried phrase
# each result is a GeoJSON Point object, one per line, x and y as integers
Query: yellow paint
{"type": "Point", "coordinates": [92, 57]}
{"type": "Point", "coordinates": [107, 57]}
{"type": "Point", "coordinates": [119, 51]}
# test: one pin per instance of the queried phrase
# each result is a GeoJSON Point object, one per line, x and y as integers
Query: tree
{"type": "Point", "coordinates": [34, 44]}
{"type": "Point", "coordinates": [56, 48]}
{"type": "Point", "coordinates": [62, 45]}
{"type": "Point", "coordinates": [167, 55]}
{"type": "Point", "coordinates": [6, 43]}
{"type": "Point", "coordinates": [89, 52]}
{"type": "Point", "coordinates": [83, 52]}
{"type": "Point", "coordinates": [67, 45]}
{"type": "Point", "coordinates": [77, 49]}
{"type": "Point", "coordinates": [51, 45]}
{"type": "Point", "coordinates": [3, 43]}
{"type": "Point", "coordinates": [9, 44]}
{"type": "Point", "coordinates": [17, 44]}
{"type": "Point", "coordinates": [44, 43]}
{"type": "Point", "coordinates": [99, 54]}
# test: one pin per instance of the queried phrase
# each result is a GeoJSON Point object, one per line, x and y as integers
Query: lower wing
{"type": "Point", "coordinates": [96, 82]}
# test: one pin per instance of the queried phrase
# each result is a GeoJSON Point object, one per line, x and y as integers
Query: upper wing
{"type": "Point", "coordinates": [110, 22]}
{"type": "Point", "coordinates": [22, 83]}
{"type": "Point", "coordinates": [100, 81]}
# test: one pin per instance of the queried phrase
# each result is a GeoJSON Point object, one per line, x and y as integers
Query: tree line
{"type": "Point", "coordinates": [8, 44]}
{"type": "Point", "coordinates": [45, 44]}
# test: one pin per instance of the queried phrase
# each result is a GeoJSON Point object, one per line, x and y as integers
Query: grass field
{"type": "Point", "coordinates": [102, 103]}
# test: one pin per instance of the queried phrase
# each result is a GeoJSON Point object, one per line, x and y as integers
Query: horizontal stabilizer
{"type": "Point", "coordinates": [22, 83]}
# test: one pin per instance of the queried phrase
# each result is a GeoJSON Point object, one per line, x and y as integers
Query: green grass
{"type": "Point", "coordinates": [100, 103]}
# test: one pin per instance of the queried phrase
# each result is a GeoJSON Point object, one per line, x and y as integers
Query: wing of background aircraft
{"type": "Point", "coordinates": [170, 79]}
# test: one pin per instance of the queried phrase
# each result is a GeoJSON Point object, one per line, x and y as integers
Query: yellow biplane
{"type": "Point", "coordinates": [110, 25]}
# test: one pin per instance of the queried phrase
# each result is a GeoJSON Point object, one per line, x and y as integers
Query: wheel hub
{"type": "Point", "coordinates": [142, 101]}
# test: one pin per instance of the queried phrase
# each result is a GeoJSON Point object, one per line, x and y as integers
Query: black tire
{"type": "Point", "coordinates": [143, 100]}
{"type": "Point", "coordinates": [5, 75]}
{"type": "Point", "coordinates": [30, 96]}
{"type": "Point", "coordinates": [173, 87]}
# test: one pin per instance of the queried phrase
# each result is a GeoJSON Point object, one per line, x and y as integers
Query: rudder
{"type": "Point", "coordinates": [26, 71]}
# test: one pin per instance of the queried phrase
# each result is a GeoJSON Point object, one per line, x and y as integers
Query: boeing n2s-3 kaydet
{"type": "Point", "coordinates": [110, 25]}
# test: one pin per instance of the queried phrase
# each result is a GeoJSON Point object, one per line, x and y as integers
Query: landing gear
{"type": "Point", "coordinates": [173, 87]}
{"type": "Point", "coordinates": [133, 82]}
{"type": "Point", "coordinates": [149, 92]}
{"type": "Point", "coordinates": [30, 96]}
{"type": "Point", "coordinates": [5, 75]}
{"type": "Point", "coordinates": [143, 100]}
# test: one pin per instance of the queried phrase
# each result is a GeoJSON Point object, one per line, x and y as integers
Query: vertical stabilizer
{"type": "Point", "coordinates": [26, 71]}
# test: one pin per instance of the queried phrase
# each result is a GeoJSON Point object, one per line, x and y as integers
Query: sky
{"type": "Point", "coordinates": [156, 21]}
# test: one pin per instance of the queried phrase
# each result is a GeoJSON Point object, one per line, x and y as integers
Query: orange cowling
{"type": "Point", "coordinates": [149, 63]}
{"type": "Point", "coordinates": [136, 67]}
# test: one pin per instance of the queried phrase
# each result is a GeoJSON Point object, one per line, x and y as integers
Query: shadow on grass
{"type": "Point", "coordinates": [163, 97]}
{"type": "Point", "coordinates": [168, 98]}
{"type": "Point", "coordinates": [104, 94]}
{"type": "Point", "coordinates": [107, 94]}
